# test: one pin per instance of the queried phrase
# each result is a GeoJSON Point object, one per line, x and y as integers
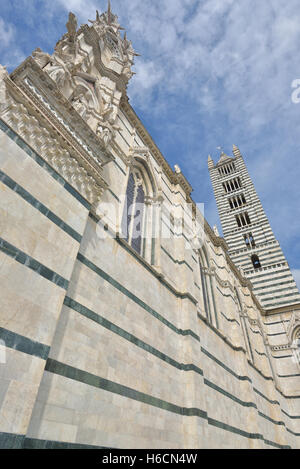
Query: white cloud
{"type": "Point", "coordinates": [7, 33]}
{"type": "Point", "coordinates": [212, 73]}
{"type": "Point", "coordinates": [11, 55]}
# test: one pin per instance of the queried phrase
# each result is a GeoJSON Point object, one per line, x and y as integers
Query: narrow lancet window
{"type": "Point", "coordinates": [133, 215]}
{"type": "Point", "coordinates": [256, 261]}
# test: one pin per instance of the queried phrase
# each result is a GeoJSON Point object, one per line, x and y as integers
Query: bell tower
{"type": "Point", "coordinates": [247, 231]}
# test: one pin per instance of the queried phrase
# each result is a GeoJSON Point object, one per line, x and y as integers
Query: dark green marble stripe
{"type": "Point", "coordinates": [30, 152]}
{"type": "Point", "coordinates": [35, 443]}
{"type": "Point", "coordinates": [222, 365]}
{"type": "Point", "coordinates": [69, 372]}
{"type": "Point", "coordinates": [218, 333]}
{"type": "Point", "coordinates": [289, 376]}
{"type": "Point", "coordinates": [23, 344]}
{"type": "Point", "coordinates": [275, 422]}
{"type": "Point", "coordinates": [69, 302]}
{"type": "Point", "coordinates": [32, 264]}
{"type": "Point", "coordinates": [282, 356]}
{"type": "Point", "coordinates": [267, 378]}
{"type": "Point", "coordinates": [139, 343]}
{"type": "Point", "coordinates": [277, 322]}
{"type": "Point", "coordinates": [253, 436]}
{"type": "Point", "coordinates": [114, 195]}
{"type": "Point", "coordinates": [119, 167]}
{"type": "Point", "coordinates": [134, 298]}
{"type": "Point", "coordinates": [230, 320]}
{"type": "Point", "coordinates": [292, 417]}
{"type": "Point", "coordinates": [11, 441]}
{"type": "Point", "coordinates": [261, 354]}
{"type": "Point", "coordinates": [225, 294]}
{"type": "Point", "coordinates": [229, 395]}
{"type": "Point", "coordinates": [255, 332]}
{"type": "Point", "coordinates": [247, 404]}
{"type": "Point", "coordinates": [121, 242]}
{"type": "Point", "coordinates": [39, 206]}
{"type": "Point", "coordinates": [159, 278]}
{"type": "Point", "coordinates": [175, 260]}
{"type": "Point", "coordinates": [293, 433]}
{"type": "Point", "coordinates": [276, 305]}
{"type": "Point", "coordinates": [266, 398]}
{"type": "Point", "coordinates": [277, 333]}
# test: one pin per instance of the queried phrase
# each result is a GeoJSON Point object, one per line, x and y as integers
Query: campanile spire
{"type": "Point", "coordinates": [247, 231]}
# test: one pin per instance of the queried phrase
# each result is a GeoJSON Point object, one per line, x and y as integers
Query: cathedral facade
{"type": "Point", "coordinates": [126, 321]}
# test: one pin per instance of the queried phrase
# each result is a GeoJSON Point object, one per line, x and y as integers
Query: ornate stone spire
{"type": "Point", "coordinates": [236, 151]}
{"type": "Point", "coordinates": [210, 162]}
{"type": "Point", "coordinates": [92, 68]}
{"type": "Point", "coordinates": [72, 27]}
{"type": "Point", "coordinates": [109, 15]}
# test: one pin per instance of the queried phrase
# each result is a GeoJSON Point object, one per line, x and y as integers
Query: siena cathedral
{"type": "Point", "coordinates": [126, 320]}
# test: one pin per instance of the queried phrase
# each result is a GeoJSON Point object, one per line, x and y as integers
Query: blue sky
{"type": "Point", "coordinates": [211, 73]}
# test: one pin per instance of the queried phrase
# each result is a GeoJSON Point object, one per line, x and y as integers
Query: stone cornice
{"type": "Point", "coordinates": [279, 348]}
{"type": "Point", "coordinates": [173, 177]}
{"type": "Point", "coordinates": [283, 309]}
{"type": "Point", "coordinates": [90, 144]}
{"type": "Point", "coordinates": [33, 88]}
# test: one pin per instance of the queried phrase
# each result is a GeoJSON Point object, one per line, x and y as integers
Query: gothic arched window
{"type": "Point", "coordinates": [207, 288]}
{"type": "Point", "coordinates": [255, 261]}
{"type": "Point", "coordinates": [134, 210]}
{"type": "Point", "coordinates": [296, 337]}
{"type": "Point", "coordinates": [141, 213]}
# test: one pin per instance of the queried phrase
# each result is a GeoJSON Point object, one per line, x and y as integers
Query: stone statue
{"type": "Point", "coordinates": [106, 131]}
{"type": "Point", "coordinates": [72, 27]}
{"type": "Point", "coordinates": [105, 134]}
{"type": "Point", "coordinates": [77, 72]}
{"type": "Point", "coordinates": [216, 231]}
{"type": "Point", "coordinates": [80, 102]}
{"type": "Point", "coordinates": [41, 58]}
{"type": "Point", "coordinates": [99, 25]}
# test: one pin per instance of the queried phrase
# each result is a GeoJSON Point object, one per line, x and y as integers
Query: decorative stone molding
{"type": "Point", "coordinates": [278, 348]}
{"type": "Point", "coordinates": [92, 67]}
{"type": "Point", "coordinates": [174, 178]}
{"type": "Point", "coordinates": [216, 231]}
{"type": "Point", "coordinates": [137, 151]}
{"type": "Point", "coordinates": [253, 322]}
{"type": "Point", "coordinates": [224, 283]}
{"type": "Point", "coordinates": [47, 136]}
{"type": "Point", "coordinates": [293, 329]}
{"type": "Point", "coordinates": [86, 78]}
